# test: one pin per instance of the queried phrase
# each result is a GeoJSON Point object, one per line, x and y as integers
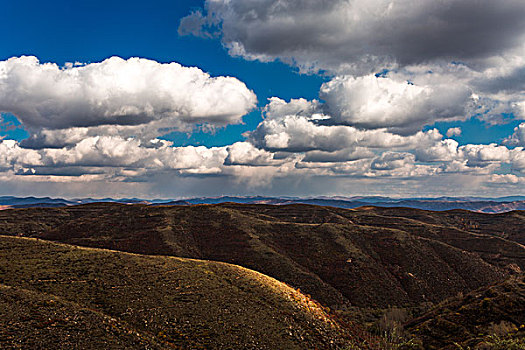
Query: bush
{"type": "Point", "coordinates": [495, 342]}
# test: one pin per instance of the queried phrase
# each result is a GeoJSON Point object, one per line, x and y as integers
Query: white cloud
{"type": "Point", "coordinates": [45, 138]}
{"type": "Point", "coordinates": [134, 93]}
{"type": "Point", "coordinates": [277, 108]}
{"type": "Point", "coordinates": [407, 99]}
{"type": "Point", "coordinates": [113, 156]}
{"type": "Point", "coordinates": [101, 151]}
{"type": "Point", "coordinates": [298, 126]}
{"type": "Point", "coordinates": [454, 132]}
{"type": "Point", "coordinates": [450, 51]}
{"type": "Point", "coordinates": [451, 60]}
{"type": "Point", "coordinates": [501, 179]}
{"type": "Point", "coordinates": [393, 102]}
{"type": "Point", "coordinates": [343, 155]}
{"type": "Point", "coordinates": [442, 151]}
{"type": "Point", "coordinates": [193, 160]}
{"type": "Point", "coordinates": [115, 165]}
{"type": "Point", "coordinates": [244, 153]}
{"type": "Point", "coordinates": [518, 137]}
{"type": "Point", "coordinates": [483, 155]}
{"type": "Point", "coordinates": [13, 156]}
{"type": "Point", "coordinates": [517, 158]}
{"type": "Point", "coordinates": [393, 160]}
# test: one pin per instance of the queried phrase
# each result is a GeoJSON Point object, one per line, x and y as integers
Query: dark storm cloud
{"type": "Point", "coordinates": [363, 35]}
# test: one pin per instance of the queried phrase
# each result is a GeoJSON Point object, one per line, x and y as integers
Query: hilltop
{"type": "Point", "coordinates": [61, 296]}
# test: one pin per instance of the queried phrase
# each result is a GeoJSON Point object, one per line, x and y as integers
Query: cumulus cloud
{"type": "Point", "coordinates": [405, 100]}
{"type": "Point", "coordinates": [393, 69]}
{"type": "Point", "coordinates": [375, 102]}
{"type": "Point", "coordinates": [97, 151]}
{"type": "Point", "coordinates": [454, 132]}
{"type": "Point", "coordinates": [13, 156]}
{"type": "Point", "coordinates": [195, 24]}
{"type": "Point", "coordinates": [106, 154]}
{"type": "Point", "coordinates": [518, 137]}
{"type": "Point", "coordinates": [443, 60]}
{"type": "Point", "coordinates": [393, 160]}
{"type": "Point", "coordinates": [300, 126]}
{"type": "Point", "coordinates": [123, 93]}
{"type": "Point", "coordinates": [505, 179]}
{"type": "Point", "coordinates": [517, 156]}
{"type": "Point", "coordinates": [483, 155]}
{"type": "Point", "coordinates": [244, 153]}
{"type": "Point", "coordinates": [242, 166]}
{"type": "Point", "coordinates": [464, 158]}
{"type": "Point", "coordinates": [45, 138]}
{"type": "Point", "coordinates": [402, 102]}
{"type": "Point", "coordinates": [298, 138]}
{"type": "Point", "coordinates": [343, 155]}
{"type": "Point", "coordinates": [442, 151]}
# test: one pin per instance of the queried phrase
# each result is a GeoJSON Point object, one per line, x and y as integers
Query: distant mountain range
{"type": "Point", "coordinates": [476, 204]}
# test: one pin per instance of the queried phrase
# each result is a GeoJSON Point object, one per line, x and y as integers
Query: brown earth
{"type": "Point", "coordinates": [356, 261]}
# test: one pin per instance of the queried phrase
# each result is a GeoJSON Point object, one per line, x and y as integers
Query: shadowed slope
{"type": "Point", "coordinates": [467, 320]}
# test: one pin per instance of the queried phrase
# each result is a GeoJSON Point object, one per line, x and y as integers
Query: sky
{"type": "Point", "coordinates": [175, 99]}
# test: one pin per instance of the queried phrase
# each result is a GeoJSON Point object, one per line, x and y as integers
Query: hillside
{"type": "Point", "coordinates": [54, 295]}
{"type": "Point", "coordinates": [495, 313]}
{"type": "Point", "coordinates": [483, 205]}
{"type": "Point", "coordinates": [366, 257]}
{"type": "Point", "coordinates": [35, 320]}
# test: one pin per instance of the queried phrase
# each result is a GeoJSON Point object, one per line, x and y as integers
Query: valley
{"type": "Point", "coordinates": [348, 266]}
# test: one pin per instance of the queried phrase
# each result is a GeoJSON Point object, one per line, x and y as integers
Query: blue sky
{"type": "Point", "coordinates": [90, 31]}
{"type": "Point", "coordinates": [446, 117]}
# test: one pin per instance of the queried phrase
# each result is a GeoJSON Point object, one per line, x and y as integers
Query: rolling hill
{"type": "Point", "coordinates": [60, 296]}
{"type": "Point", "coordinates": [366, 257]}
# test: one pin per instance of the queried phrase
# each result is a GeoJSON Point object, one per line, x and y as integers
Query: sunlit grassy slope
{"type": "Point", "coordinates": [60, 296]}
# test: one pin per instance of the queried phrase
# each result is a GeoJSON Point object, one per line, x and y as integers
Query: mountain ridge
{"type": "Point", "coordinates": [339, 256]}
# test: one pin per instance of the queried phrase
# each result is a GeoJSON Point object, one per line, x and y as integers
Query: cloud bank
{"type": "Point", "coordinates": [394, 70]}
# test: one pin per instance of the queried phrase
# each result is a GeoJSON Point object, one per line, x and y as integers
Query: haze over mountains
{"type": "Point", "coordinates": [477, 204]}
